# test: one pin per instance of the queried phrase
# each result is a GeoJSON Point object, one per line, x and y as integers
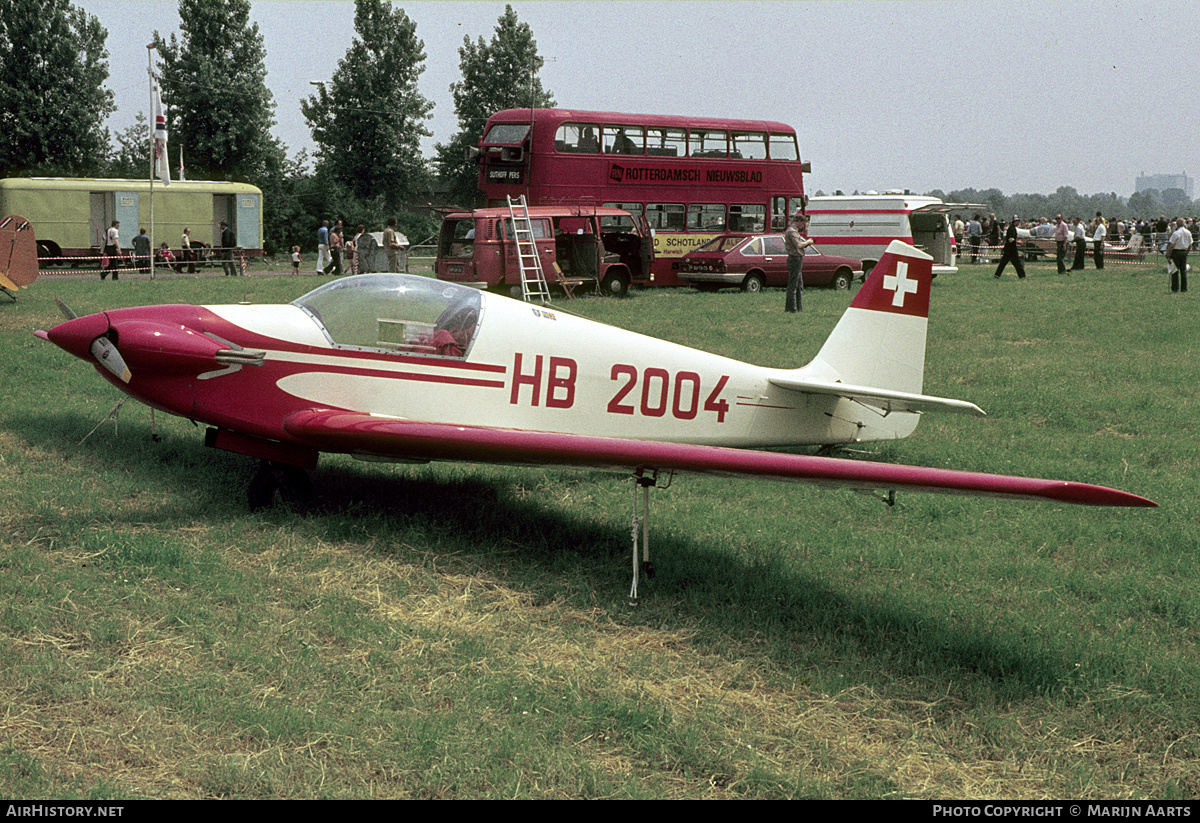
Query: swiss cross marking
{"type": "Point", "coordinates": [899, 284]}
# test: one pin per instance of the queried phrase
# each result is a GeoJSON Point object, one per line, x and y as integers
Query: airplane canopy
{"type": "Point", "coordinates": [396, 312]}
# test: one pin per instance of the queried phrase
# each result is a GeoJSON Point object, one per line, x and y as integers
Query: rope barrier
{"type": "Point", "coordinates": [207, 257]}
{"type": "Point", "coordinates": [1131, 255]}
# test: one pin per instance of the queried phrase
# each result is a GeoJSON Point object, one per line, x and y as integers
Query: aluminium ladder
{"type": "Point", "coordinates": [533, 279]}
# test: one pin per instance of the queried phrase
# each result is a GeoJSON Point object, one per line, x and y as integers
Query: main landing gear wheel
{"type": "Point", "coordinates": [279, 483]}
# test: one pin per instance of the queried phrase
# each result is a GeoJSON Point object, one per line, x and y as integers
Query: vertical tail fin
{"type": "Point", "coordinates": [880, 340]}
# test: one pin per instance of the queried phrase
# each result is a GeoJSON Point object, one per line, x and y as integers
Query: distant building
{"type": "Point", "coordinates": [1162, 182]}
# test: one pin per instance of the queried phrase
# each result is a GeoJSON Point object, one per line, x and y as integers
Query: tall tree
{"type": "Point", "coordinates": [219, 108]}
{"type": "Point", "coordinates": [130, 156]}
{"type": "Point", "coordinates": [53, 64]}
{"type": "Point", "coordinates": [502, 74]}
{"type": "Point", "coordinates": [368, 120]}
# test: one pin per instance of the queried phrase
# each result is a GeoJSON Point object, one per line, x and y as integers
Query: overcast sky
{"type": "Point", "coordinates": [1024, 97]}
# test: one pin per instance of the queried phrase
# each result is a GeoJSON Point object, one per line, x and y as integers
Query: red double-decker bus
{"type": "Point", "coordinates": [689, 178]}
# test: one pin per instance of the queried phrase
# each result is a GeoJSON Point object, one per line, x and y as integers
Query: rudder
{"type": "Point", "coordinates": [880, 340]}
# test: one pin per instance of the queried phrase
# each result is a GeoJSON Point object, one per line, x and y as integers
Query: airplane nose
{"type": "Point", "coordinates": [76, 336]}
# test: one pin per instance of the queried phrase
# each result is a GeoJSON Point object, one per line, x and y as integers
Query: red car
{"type": "Point", "coordinates": [752, 263]}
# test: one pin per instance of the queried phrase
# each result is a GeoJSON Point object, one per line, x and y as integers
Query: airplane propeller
{"type": "Point", "coordinates": [102, 348]}
{"type": "Point", "coordinates": [66, 310]}
{"type": "Point", "coordinates": [104, 351]}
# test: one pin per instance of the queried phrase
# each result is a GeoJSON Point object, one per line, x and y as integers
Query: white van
{"type": "Point", "coordinates": [863, 225]}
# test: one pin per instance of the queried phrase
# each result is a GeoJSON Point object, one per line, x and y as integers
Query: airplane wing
{"type": "Point", "coordinates": [882, 399]}
{"type": "Point", "coordinates": [365, 434]}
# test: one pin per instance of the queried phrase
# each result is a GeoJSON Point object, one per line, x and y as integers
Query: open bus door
{"type": "Point", "coordinates": [646, 248]}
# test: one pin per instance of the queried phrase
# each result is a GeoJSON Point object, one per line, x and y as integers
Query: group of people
{"type": "Point", "coordinates": [338, 254]}
{"type": "Point", "coordinates": [112, 259]}
{"type": "Point", "coordinates": [1175, 238]}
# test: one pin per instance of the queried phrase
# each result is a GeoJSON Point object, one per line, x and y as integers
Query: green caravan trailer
{"type": "Point", "coordinates": [71, 215]}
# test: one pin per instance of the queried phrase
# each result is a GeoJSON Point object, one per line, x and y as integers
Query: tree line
{"type": "Point", "coordinates": [1070, 203]}
{"type": "Point", "coordinates": [367, 120]}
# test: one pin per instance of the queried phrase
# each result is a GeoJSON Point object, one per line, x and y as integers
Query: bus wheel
{"type": "Point", "coordinates": [614, 285]}
{"type": "Point", "coordinates": [841, 280]}
{"type": "Point", "coordinates": [516, 293]}
{"type": "Point", "coordinates": [753, 283]}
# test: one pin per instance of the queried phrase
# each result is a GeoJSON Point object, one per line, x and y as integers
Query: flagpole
{"type": "Point", "coordinates": [153, 149]}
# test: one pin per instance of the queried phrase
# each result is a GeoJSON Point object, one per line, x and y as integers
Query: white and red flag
{"type": "Point", "coordinates": [159, 136]}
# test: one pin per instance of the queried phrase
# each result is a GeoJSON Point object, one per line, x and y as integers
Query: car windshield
{"type": "Point", "coordinates": [396, 312]}
{"type": "Point", "coordinates": [726, 243]}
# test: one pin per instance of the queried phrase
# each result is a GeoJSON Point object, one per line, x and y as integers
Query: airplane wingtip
{"type": "Point", "coordinates": [1088, 495]}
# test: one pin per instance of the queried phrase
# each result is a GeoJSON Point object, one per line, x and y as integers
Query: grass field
{"type": "Point", "coordinates": [461, 631]}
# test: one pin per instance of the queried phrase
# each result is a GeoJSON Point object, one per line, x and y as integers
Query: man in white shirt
{"type": "Point", "coordinates": [112, 250]}
{"type": "Point", "coordinates": [1098, 234]}
{"type": "Point", "coordinates": [1080, 244]}
{"type": "Point", "coordinates": [1177, 253]}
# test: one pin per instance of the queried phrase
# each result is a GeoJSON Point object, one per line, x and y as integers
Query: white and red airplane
{"type": "Point", "coordinates": [390, 366]}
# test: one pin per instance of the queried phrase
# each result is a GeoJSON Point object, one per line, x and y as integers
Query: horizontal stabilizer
{"type": "Point", "coordinates": [883, 399]}
{"type": "Point", "coordinates": [365, 434]}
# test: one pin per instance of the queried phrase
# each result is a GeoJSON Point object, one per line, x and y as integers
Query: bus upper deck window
{"type": "Point", "coordinates": [582, 138]}
{"type": "Point", "coordinates": [708, 143]}
{"type": "Point", "coordinates": [666, 142]}
{"type": "Point", "coordinates": [783, 147]}
{"type": "Point", "coordinates": [623, 139]}
{"type": "Point", "coordinates": [506, 133]}
{"type": "Point", "coordinates": [749, 145]}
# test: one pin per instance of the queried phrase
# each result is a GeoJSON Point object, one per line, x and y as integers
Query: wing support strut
{"type": "Point", "coordinates": [642, 524]}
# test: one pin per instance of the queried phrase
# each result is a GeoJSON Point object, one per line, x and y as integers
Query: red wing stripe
{"type": "Point", "coordinates": [353, 432]}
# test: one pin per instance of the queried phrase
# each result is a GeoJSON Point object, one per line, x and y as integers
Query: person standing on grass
{"type": "Point", "coordinates": [335, 251]}
{"type": "Point", "coordinates": [1177, 253]}
{"type": "Point", "coordinates": [1061, 232]}
{"type": "Point", "coordinates": [975, 231]}
{"type": "Point", "coordinates": [227, 244]}
{"type": "Point", "coordinates": [391, 246]}
{"type": "Point", "coordinates": [112, 251]}
{"type": "Point", "coordinates": [187, 255]}
{"type": "Point", "coordinates": [1099, 232]}
{"type": "Point", "coordinates": [795, 242]}
{"type": "Point", "coordinates": [1012, 252]}
{"type": "Point", "coordinates": [323, 258]}
{"type": "Point", "coordinates": [993, 233]}
{"type": "Point", "coordinates": [1080, 244]}
{"type": "Point", "coordinates": [141, 251]}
